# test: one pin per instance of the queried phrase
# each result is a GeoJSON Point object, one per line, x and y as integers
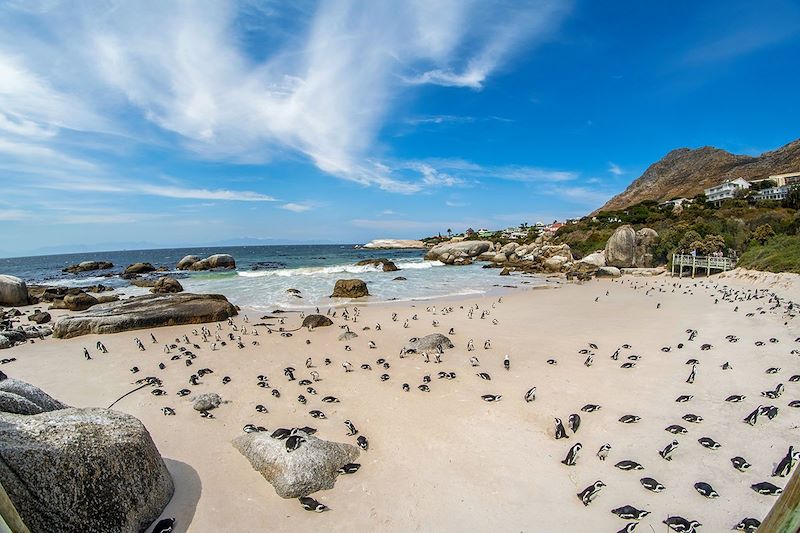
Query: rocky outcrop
{"type": "Point", "coordinates": [350, 288]}
{"type": "Point", "coordinates": [166, 284]}
{"type": "Point", "coordinates": [88, 266]}
{"type": "Point", "coordinates": [76, 470]}
{"type": "Point", "coordinates": [187, 262]}
{"type": "Point", "coordinates": [80, 301]}
{"type": "Point", "coordinates": [594, 259]}
{"type": "Point", "coordinates": [454, 253]}
{"type": "Point", "coordinates": [310, 468]}
{"type": "Point", "coordinates": [428, 343]}
{"type": "Point", "coordinates": [148, 311]}
{"type": "Point", "coordinates": [206, 402]}
{"type": "Point", "coordinates": [389, 244]}
{"type": "Point", "coordinates": [608, 272]}
{"type": "Point", "coordinates": [213, 261]}
{"type": "Point", "coordinates": [685, 173]}
{"type": "Point", "coordinates": [39, 317]}
{"type": "Point", "coordinates": [316, 321]}
{"type": "Point", "coordinates": [43, 293]}
{"type": "Point", "coordinates": [13, 291]}
{"type": "Point", "coordinates": [627, 248]}
{"type": "Point", "coordinates": [138, 268]}
{"type": "Point", "coordinates": [382, 263]}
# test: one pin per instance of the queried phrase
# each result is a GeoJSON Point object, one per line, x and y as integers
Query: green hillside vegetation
{"type": "Point", "coordinates": [754, 231]}
{"type": "Point", "coordinates": [778, 254]}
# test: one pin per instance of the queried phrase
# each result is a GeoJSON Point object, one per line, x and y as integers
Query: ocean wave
{"type": "Point", "coordinates": [335, 269]}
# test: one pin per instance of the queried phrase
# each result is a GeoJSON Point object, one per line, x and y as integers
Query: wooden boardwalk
{"type": "Point", "coordinates": [695, 262]}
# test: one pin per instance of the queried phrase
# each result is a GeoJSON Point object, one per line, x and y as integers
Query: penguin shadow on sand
{"type": "Point", "coordinates": [183, 504]}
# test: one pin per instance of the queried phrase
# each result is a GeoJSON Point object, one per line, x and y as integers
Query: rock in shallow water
{"type": "Point", "coordinates": [311, 468]}
{"type": "Point", "coordinates": [148, 311]}
{"type": "Point", "coordinates": [350, 288]}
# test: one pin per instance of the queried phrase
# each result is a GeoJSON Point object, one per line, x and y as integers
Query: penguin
{"type": "Point", "coordinates": [794, 403]}
{"type": "Point", "coordinates": [168, 411]}
{"type": "Point", "coordinates": [574, 422]}
{"type": "Point", "coordinates": [629, 419]}
{"type": "Point", "coordinates": [684, 398]}
{"type": "Point", "coordinates": [784, 467]}
{"type": "Point", "coordinates": [552, 362]}
{"type": "Point", "coordinates": [727, 366]}
{"type": "Point", "coordinates": [590, 493]}
{"type": "Point", "coordinates": [424, 388]}
{"type": "Point", "coordinates": [675, 429]}
{"type": "Point", "coordinates": [406, 387]}
{"type": "Point", "coordinates": [293, 442]}
{"type": "Point", "coordinates": [752, 418]}
{"type": "Point", "coordinates": [627, 365]}
{"type": "Point", "coordinates": [692, 374]}
{"type": "Point", "coordinates": [362, 442]}
{"type": "Point", "coordinates": [748, 525]}
{"type": "Point", "coordinates": [651, 484]}
{"type": "Point", "coordinates": [706, 490]}
{"type": "Point", "coordinates": [351, 428]}
{"type": "Point", "coordinates": [317, 414]}
{"type": "Point", "coordinates": [276, 393]}
{"type": "Point", "coordinates": [492, 397]}
{"type": "Point", "coordinates": [590, 408]}
{"type": "Point", "coordinates": [86, 354]}
{"type": "Point", "coordinates": [530, 395]}
{"type": "Point", "coordinates": [628, 512]}
{"type": "Point", "coordinates": [602, 453]}
{"type": "Point", "coordinates": [628, 527]}
{"type": "Point", "coordinates": [629, 465]}
{"type": "Point", "coordinates": [572, 454]}
{"type": "Point", "coordinates": [134, 369]}
{"type": "Point", "coordinates": [310, 504]}
{"type": "Point", "coordinates": [165, 525]}
{"type": "Point", "coordinates": [281, 433]}
{"type": "Point", "coordinates": [766, 488]}
{"type": "Point", "coordinates": [772, 370]}
{"type": "Point", "coordinates": [349, 468]}
{"type": "Point", "coordinates": [506, 363]}
{"type": "Point", "coordinates": [184, 392]}
{"type": "Point", "coordinates": [681, 525]}
{"type": "Point", "coordinates": [250, 428]}
{"type": "Point", "coordinates": [561, 433]}
{"type": "Point", "coordinates": [484, 375]}
{"type": "Point", "coordinates": [206, 414]}
{"type": "Point", "coordinates": [708, 442]}
{"type": "Point", "coordinates": [261, 409]}
{"type": "Point", "coordinates": [734, 398]}
{"type": "Point", "coordinates": [774, 394]}
{"type": "Point", "coordinates": [695, 419]}
{"type": "Point", "coordinates": [668, 449]}
{"type": "Point", "coordinates": [740, 463]}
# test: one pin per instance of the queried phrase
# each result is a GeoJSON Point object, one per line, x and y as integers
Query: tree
{"type": "Point", "coordinates": [793, 198]}
{"type": "Point", "coordinates": [449, 232]}
{"type": "Point", "coordinates": [763, 233]}
{"type": "Point", "coordinates": [713, 243]}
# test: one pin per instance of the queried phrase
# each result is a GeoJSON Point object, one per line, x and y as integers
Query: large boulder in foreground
{"type": "Point", "coordinates": [79, 470]}
{"type": "Point", "coordinates": [350, 288]}
{"type": "Point", "coordinates": [311, 468]}
{"type": "Point", "coordinates": [452, 253]}
{"type": "Point", "coordinates": [214, 261]}
{"type": "Point", "coordinates": [428, 343]}
{"type": "Point", "coordinates": [316, 321]}
{"type": "Point", "coordinates": [167, 285]}
{"type": "Point", "coordinates": [148, 311]}
{"type": "Point", "coordinates": [627, 248]}
{"type": "Point", "coordinates": [13, 291]}
{"type": "Point", "coordinates": [21, 398]}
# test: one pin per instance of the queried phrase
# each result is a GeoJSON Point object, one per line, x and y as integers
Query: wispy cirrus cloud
{"type": "Point", "coordinates": [322, 91]}
{"type": "Point", "coordinates": [297, 207]}
{"type": "Point", "coordinates": [615, 169]}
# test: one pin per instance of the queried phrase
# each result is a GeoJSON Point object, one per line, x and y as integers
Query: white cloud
{"type": "Point", "coordinates": [322, 90]}
{"type": "Point", "coordinates": [201, 194]}
{"type": "Point", "coordinates": [14, 214]}
{"type": "Point", "coordinates": [297, 208]}
{"type": "Point", "coordinates": [615, 169]}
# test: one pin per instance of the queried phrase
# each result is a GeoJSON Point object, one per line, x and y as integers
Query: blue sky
{"type": "Point", "coordinates": [184, 122]}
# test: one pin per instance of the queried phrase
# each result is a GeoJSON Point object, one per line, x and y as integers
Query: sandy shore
{"type": "Point", "coordinates": [446, 460]}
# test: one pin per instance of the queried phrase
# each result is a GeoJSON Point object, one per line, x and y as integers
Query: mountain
{"type": "Point", "coordinates": [685, 172]}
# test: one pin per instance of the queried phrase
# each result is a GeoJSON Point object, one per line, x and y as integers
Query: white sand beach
{"type": "Point", "coordinates": [446, 460]}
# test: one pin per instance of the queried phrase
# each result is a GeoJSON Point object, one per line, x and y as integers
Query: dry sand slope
{"type": "Point", "coordinates": [446, 460]}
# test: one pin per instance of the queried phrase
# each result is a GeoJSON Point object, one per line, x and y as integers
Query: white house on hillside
{"type": "Point", "coordinates": [726, 190]}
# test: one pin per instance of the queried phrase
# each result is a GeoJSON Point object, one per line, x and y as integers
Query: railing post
{"type": "Point", "coordinates": [694, 265]}
{"type": "Point", "coordinates": [784, 517]}
{"type": "Point", "coordinates": [672, 274]}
